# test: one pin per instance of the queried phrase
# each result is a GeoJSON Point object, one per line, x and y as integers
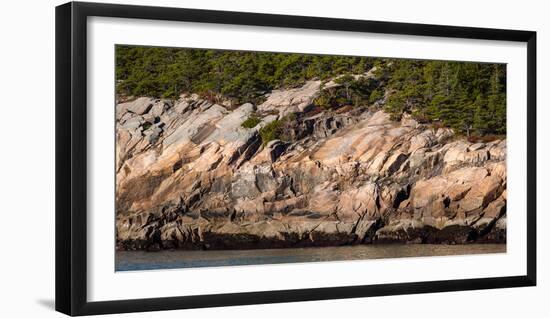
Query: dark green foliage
{"type": "Point", "coordinates": [324, 100]}
{"type": "Point", "coordinates": [235, 75]}
{"type": "Point", "coordinates": [376, 95]}
{"type": "Point", "coordinates": [146, 125]}
{"type": "Point", "coordinates": [251, 122]}
{"type": "Point", "coordinates": [469, 97]}
{"type": "Point", "coordinates": [350, 92]}
{"type": "Point", "coordinates": [271, 131]}
{"type": "Point", "coordinates": [278, 129]}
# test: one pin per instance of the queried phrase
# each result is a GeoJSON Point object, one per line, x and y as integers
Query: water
{"type": "Point", "coordinates": [139, 260]}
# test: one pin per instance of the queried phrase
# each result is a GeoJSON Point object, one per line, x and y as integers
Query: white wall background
{"type": "Point", "coordinates": [27, 157]}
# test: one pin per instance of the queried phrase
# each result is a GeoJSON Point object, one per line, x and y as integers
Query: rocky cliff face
{"type": "Point", "coordinates": [188, 175]}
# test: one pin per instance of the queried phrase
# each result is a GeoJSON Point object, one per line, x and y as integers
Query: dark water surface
{"type": "Point", "coordinates": [138, 260]}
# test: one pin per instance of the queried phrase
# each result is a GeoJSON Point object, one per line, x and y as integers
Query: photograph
{"type": "Point", "coordinates": [228, 157]}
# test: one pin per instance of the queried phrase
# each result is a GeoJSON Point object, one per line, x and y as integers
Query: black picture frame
{"type": "Point", "coordinates": [71, 157]}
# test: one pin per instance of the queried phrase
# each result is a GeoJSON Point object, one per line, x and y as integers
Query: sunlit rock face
{"type": "Point", "coordinates": [189, 175]}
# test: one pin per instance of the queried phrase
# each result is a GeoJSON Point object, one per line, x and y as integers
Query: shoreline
{"type": "Point", "coordinates": [228, 243]}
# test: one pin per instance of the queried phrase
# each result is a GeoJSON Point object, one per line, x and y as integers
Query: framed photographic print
{"type": "Point", "coordinates": [209, 158]}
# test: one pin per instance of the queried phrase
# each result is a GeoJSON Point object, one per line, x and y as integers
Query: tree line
{"type": "Point", "coordinates": [469, 97]}
{"type": "Point", "coordinates": [236, 75]}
